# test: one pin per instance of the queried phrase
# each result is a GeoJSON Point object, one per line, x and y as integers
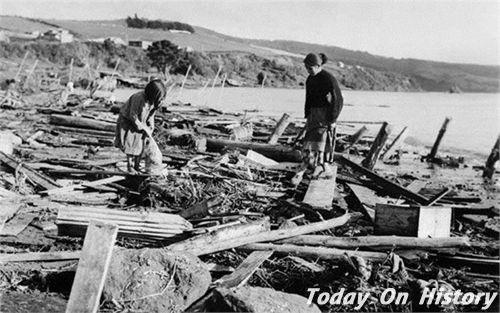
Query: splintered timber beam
{"type": "Point", "coordinates": [35, 177]}
{"type": "Point", "coordinates": [245, 270]}
{"type": "Point", "coordinates": [377, 242]}
{"type": "Point", "coordinates": [353, 139]}
{"type": "Point", "coordinates": [315, 252]}
{"type": "Point", "coordinates": [489, 168]}
{"type": "Point", "coordinates": [378, 144]}
{"type": "Point", "coordinates": [440, 135]}
{"type": "Point", "coordinates": [389, 187]}
{"type": "Point", "coordinates": [40, 256]}
{"type": "Point", "coordinates": [276, 152]}
{"type": "Point", "coordinates": [279, 129]}
{"type": "Point", "coordinates": [92, 268]}
{"type": "Point", "coordinates": [389, 149]}
{"type": "Point", "coordinates": [209, 243]}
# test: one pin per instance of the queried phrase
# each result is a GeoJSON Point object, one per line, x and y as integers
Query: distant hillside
{"type": "Point", "coordinates": [362, 70]}
{"type": "Point", "coordinates": [431, 76]}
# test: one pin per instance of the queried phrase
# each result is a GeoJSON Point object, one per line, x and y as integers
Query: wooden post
{"type": "Point", "coordinates": [371, 158]}
{"type": "Point", "coordinates": [92, 268]}
{"type": "Point", "coordinates": [70, 75]}
{"type": "Point", "coordinates": [440, 135]}
{"type": "Point", "coordinates": [30, 73]}
{"type": "Point", "coordinates": [279, 129]}
{"type": "Point", "coordinates": [489, 167]}
{"type": "Point", "coordinates": [21, 66]}
{"type": "Point", "coordinates": [356, 137]}
{"type": "Point", "coordinates": [184, 81]}
{"type": "Point", "coordinates": [224, 78]}
{"type": "Point", "coordinates": [116, 68]}
{"type": "Point", "coordinates": [393, 143]}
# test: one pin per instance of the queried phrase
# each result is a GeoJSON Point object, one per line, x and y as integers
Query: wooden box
{"type": "Point", "coordinates": [413, 221]}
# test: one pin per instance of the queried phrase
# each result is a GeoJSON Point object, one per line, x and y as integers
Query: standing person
{"type": "Point", "coordinates": [136, 122]}
{"type": "Point", "coordinates": [323, 105]}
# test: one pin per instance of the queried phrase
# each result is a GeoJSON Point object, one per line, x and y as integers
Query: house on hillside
{"type": "Point", "coordinates": [115, 40]}
{"type": "Point", "coordinates": [178, 31]}
{"type": "Point", "coordinates": [4, 37]}
{"type": "Point", "coordinates": [60, 35]}
{"type": "Point", "coordinates": [144, 44]}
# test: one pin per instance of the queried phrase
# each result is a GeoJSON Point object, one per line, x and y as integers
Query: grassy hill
{"type": "Point", "coordinates": [364, 70]}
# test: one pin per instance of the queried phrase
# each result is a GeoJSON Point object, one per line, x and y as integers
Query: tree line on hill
{"type": "Point", "coordinates": [137, 22]}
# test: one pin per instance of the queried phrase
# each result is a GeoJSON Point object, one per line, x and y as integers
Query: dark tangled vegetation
{"type": "Point", "coordinates": [137, 22]}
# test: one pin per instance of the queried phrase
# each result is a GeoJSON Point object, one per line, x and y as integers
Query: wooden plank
{"type": "Point", "coordinates": [434, 222]}
{"type": "Point", "coordinates": [35, 177]}
{"type": "Point", "coordinates": [40, 256]}
{"type": "Point", "coordinates": [396, 220]}
{"type": "Point", "coordinates": [7, 210]}
{"type": "Point", "coordinates": [320, 192]}
{"type": "Point", "coordinates": [104, 181]}
{"type": "Point", "coordinates": [276, 152]}
{"type": "Point", "coordinates": [206, 244]}
{"type": "Point", "coordinates": [245, 270]}
{"type": "Point", "coordinates": [279, 129]}
{"type": "Point", "coordinates": [377, 242]}
{"type": "Point", "coordinates": [17, 224]}
{"type": "Point", "coordinates": [416, 221]}
{"type": "Point", "coordinates": [389, 187]}
{"type": "Point", "coordinates": [315, 252]}
{"type": "Point", "coordinates": [416, 185]}
{"type": "Point", "coordinates": [92, 268]}
{"type": "Point", "coordinates": [438, 196]}
{"type": "Point", "coordinates": [366, 199]}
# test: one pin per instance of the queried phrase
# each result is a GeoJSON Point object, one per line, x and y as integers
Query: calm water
{"type": "Point", "coordinates": [475, 117]}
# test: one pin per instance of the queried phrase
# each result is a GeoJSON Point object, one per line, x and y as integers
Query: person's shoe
{"type": "Point", "coordinates": [318, 170]}
{"type": "Point", "coordinates": [297, 178]}
{"type": "Point", "coordinates": [328, 172]}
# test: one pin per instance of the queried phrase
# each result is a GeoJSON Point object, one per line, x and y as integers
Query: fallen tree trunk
{"type": "Point", "coordinates": [276, 152]}
{"type": "Point", "coordinates": [377, 242]}
{"type": "Point", "coordinates": [81, 122]}
{"type": "Point", "coordinates": [315, 252]}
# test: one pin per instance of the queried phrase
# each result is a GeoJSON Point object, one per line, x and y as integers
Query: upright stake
{"type": "Point", "coordinates": [279, 129]}
{"type": "Point", "coordinates": [116, 68]}
{"type": "Point", "coordinates": [440, 135]}
{"type": "Point", "coordinates": [378, 143]}
{"type": "Point", "coordinates": [356, 137]}
{"type": "Point", "coordinates": [30, 73]}
{"type": "Point", "coordinates": [224, 77]}
{"type": "Point", "coordinates": [21, 66]}
{"type": "Point", "coordinates": [184, 81]}
{"type": "Point", "coordinates": [393, 143]}
{"type": "Point", "coordinates": [489, 168]}
{"type": "Point", "coordinates": [70, 75]}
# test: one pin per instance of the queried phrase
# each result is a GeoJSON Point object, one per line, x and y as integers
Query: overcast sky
{"type": "Point", "coordinates": [465, 31]}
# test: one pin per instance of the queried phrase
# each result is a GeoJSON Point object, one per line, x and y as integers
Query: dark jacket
{"type": "Point", "coordinates": [322, 89]}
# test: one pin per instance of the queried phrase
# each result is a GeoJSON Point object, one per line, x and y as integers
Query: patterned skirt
{"type": "Point", "coordinates": [128, 138]}
{"type": "Point", "coordinates": [319, 135]}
